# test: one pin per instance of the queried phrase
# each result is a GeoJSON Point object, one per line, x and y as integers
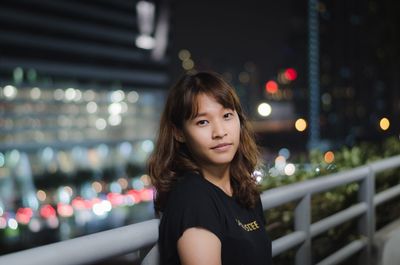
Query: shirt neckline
{"type": "Point", "coordinates": [216, 187]}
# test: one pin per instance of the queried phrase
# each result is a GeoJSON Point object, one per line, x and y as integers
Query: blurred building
{"type": "Point", "coordinates": [82, 85]}
{"type": "Point", "coordinates": [360, 96]}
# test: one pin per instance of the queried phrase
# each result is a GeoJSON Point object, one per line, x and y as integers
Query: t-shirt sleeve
{"type": "Point", "coordinates": [193, 208]}
{"type": "Point", "coordinates": [201, 213]}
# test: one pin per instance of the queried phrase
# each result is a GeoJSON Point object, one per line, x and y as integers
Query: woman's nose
{"type": "Point", "coordinates": [219, 130]}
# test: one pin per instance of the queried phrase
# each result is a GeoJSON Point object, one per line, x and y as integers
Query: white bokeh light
{"type": "Point", "coordinates": [101, 124]}
{"type": "Point", "coordinates": [35, 93]}
{"type": "Point", "coordinates": [117, 96]}
{"type": "Point", "coordinates": [115, 108]}
{"type": "Point", "coordinates": [133, 97]}
{"type": "Point", "coordinates": [12, 223]}
{"type": "Point", "coordinates": [59, 94]}
{"type": "Point", "coordinates": [70, 94]}
{"type": "Point", "coordinates": [290, 169]}
{"type": "Point", "coordinates": [114, 120]}
{"type": "Point", "coordinates": [147, 146]}
{"type": "Point", "coordinates": [10, 92]}
{"type": "Point", "coordinates": [89, 95]}
{"type": "Point", "coordinates": [264, 109]}
{"type": "Point", "coordinates": [91, 107]}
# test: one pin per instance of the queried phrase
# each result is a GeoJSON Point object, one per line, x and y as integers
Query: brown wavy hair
{"type": "Point", "coordinates": [171, 158]}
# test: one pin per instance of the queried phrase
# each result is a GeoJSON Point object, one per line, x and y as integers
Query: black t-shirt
{"type": "Point", "coordinates": [196, 202]}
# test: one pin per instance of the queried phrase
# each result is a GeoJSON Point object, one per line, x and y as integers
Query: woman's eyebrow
{"type": "Point", "coordinates": [202, 114]}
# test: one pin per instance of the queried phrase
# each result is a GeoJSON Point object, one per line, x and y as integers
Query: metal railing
{"type": "Point", "coordinates": [124, 240]}
{"type": "Point", "coordinates": [364, 209]}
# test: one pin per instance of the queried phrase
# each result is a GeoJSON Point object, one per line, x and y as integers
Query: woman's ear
{"type": "Point", "coordinates": [178, 135]}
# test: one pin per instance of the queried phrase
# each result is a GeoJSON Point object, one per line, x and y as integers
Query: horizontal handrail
{"type": "Point", "coordinates": [287, 242]}
{"type": "Point", "coordinates": [281, 195]}
{"type": "Point", "coordinates": [344, 253]}
{"type": "Point", "coordinates": [385, 164]}
{"type": "Point", "coordinates": [337, 218]}
{"type": "Point", "coordinates": [90, 248]}
{"type": "Point", "coordinates": [387, 195]}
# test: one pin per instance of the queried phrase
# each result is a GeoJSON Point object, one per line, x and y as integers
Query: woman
{"type": "Point", "coordinates": [202, 169]}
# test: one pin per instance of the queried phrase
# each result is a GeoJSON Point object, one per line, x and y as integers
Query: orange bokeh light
{"type": "Point", "coordinates": [329, 157]}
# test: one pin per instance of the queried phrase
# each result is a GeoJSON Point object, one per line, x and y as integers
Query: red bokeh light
{"type": "Point", "coordinates": [290, 74]}
{"type": "Point", "coordinates": [271, 87]}
{"type": "Point", "coordinates": [47, 211]}
{"type": "Point", "coordinates": [24, 215]}
{"type": "Point", "coordinates": [146, 194]}
{"type": "Point", "coordinates": [134, 195]}
{"type": "Point", "coordinates": [65, 210]}
{"type": "Point", "coordinates": [116, 199]}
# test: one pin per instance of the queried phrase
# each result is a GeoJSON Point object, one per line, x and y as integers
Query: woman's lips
{"type": "Point", "coordinates": [222, 147]}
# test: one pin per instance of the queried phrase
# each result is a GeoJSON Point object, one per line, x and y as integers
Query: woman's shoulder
{"type": "Point", "coordinates": [189, 189]}
{"type": "Point", "coordinates": [189, 183]}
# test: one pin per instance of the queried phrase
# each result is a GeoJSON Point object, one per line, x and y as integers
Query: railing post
{"type": "Point", "coordinates": [366, 225]}
{"type": "Point", "coordinates": [302, 221]}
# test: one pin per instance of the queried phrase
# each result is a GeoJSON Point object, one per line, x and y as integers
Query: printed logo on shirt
{"type": "Point", "coordinates": [249, 226]}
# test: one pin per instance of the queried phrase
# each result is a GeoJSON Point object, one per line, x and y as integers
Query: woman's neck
{"type": "Point", "coordinates": [219, 176]}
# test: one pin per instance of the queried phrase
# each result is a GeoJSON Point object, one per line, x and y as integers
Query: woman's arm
{"type": "Point", "coordinates": [198, 246]}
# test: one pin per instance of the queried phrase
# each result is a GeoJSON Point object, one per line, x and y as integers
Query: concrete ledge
{"type": "Point", "coordinates": [386, 247]}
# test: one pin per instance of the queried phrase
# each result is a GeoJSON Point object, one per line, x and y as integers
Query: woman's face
{"type": "Point", "coordinates": [213, 135]}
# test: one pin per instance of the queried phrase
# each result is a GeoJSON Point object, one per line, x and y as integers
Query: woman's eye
{"type": "Point", "coordinates": [228, 115]}
{"type": "Point", "coordinates": [202, 122]}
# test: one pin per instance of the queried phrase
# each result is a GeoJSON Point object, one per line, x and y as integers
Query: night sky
{"type": "Point", "coordinates": [224, 34]}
